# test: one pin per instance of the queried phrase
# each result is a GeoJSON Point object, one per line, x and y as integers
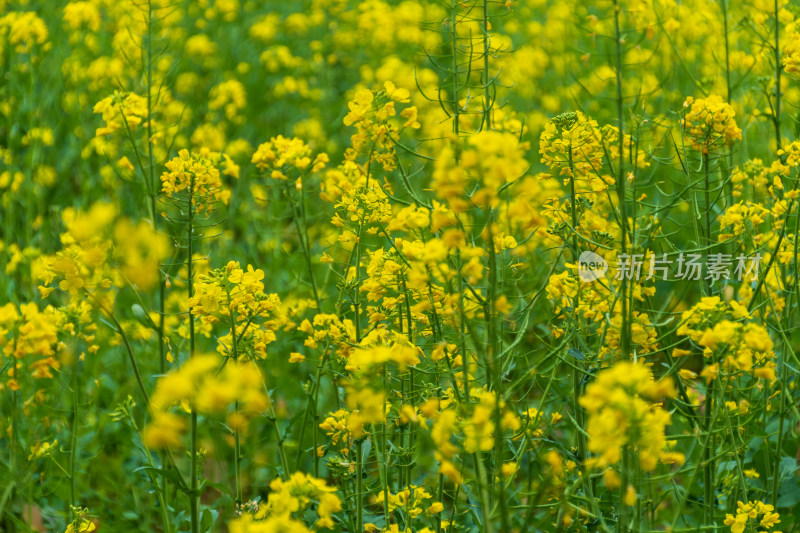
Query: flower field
{"type": "Point", "coordinates": [399, 266]}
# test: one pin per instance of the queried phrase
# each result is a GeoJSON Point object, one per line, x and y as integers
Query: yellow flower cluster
{"type": "Point", "coordinates": [489, 161]}
{"type": "Point", "coordinates": [278, 524]}
{"type": "Point", "coordinates": [442, 433]}
{"type": "Point", "coordinates": [710, 123]}
{"type": "Point", "coordinates": [373, 114]}
{"type": "Point", "coordinates": [121, 111]}
{"type": "Point", "coordinates": [571, 144]}
{"type": "Point", "coordinates": [475, 432]}
{"type": "Point", "coordinates": [791, 55]}
{"type": "Point", "coordinates": [412, 501]}
{"type": "Point", "coordinates": [33, 334]}
{"type": "Point", "coordinates": [789, 156]}
{"type": "Point", "coordinates": [140, 250]}
{"type": "Point", "coordinates": [367, 406]}
{"type": "Point", "coordinates": [479, 428]}
{"type": "Point", "coordinates": [23, 30]}
{"type": "Point", "coordinates": [85, 250]}
{"type": "Point", "coordinates": [394, 528]}
{"type": "Point", "coordinates": [236, 297]}
{"type": "Point", "coordinates": [280, 155]}
{"type": "Point", "coordinates": [80, 525]}
{"type": "Point", "coordinates": [595, 304]}
{"type": "Point", "coordinates": [100, 251]}
{"type": "Point", "coordinates": [622, 404]}
{"type": "Point", "coordinates": [742, 217]}
{"type": "Point", "coordinates": [82, 14]}
{"type": "Point", "coordinates": [329, 328]}
{"type": "Point", "coordinates": [609, 136]}
{"type": "Point", "coordinates": [231, 97]}
{"type": "Point", "coordinates": [372, 357]}
{"type": "Point", "coordinates": [734, 347]}
{"type": "Point", "coordinates": [287, 503]}
{"type": "Point", "coordinates": [341, 427]}
{"type": "Point", "coordinates": [196, 174]}
{"type": "Point", "coordinates": [747, 514]}
{"type": "Point", "coordinates": [42, 449]}
{"type": "Point", "coordinates": [365, 396]}
{"type": "Point", "coordinates": [361, 204]}
{"type": "Point", "coordinates": [200, 384]}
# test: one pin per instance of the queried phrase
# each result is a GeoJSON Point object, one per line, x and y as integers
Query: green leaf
{"type": "Point", "coordinates": [206, 521]}
{"type": "Point", "coordinates": [577, 354]}
{"type": "Point", "coordinates": [789, 493]}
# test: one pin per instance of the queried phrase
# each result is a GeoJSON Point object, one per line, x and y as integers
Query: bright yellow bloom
{"type": "Point", "coordinates": [709, 123]}
{"type": "Point", "coordinates": [622, 412]}
{"type": "Point", "coordinates": [121, 111]}
{"type": "Point", "coordinates": [746, 512]}
{"type": "Point", "coordinates": [199, 383]}
{"type": "Point", "coordinates": [196, 176]}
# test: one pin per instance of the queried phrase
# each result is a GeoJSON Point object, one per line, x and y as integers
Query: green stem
{"type": "Point", "coordinates": [73, 448]}
{"type": "Point", "coordinates": [776, 118]}
{"type": "Point", "coordinates": [302, 235]}
{"type": "Point", "coordinates": [312, 410]}
{"type": "Point", "coordinates": [625, 333]}
{"type": "Point", "coordinates": [153, 186]}
{"type": "Point", "coordinates": [483, 493]}
{"type": "Point", "coordinates": [359, 488]}
{"type": "Point", "coordinates": [707, 205]}
{"type": "Point", "coordinates": [274, 423]}
{"type": "Point", "coordinates": [236, 437]}
{"type": "Point", "coordinates": [779, 445]}
{"type": "Point", "coordinates": [709, 468]}
{"type": "Point", "coordinates": [622, 520]}
{"type": "Point", "coordinates": [454, 74]}
{"type": "Point", "coordinates": [487, 83]}
{"type": "Point", "coordinates": [194, 496]}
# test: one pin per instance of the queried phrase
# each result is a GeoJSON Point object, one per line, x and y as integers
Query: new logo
{"type": "Point", "coordinates": [591, 266]}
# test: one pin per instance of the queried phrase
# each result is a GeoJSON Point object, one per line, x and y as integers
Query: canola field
{"type": "Point", "coordinates": [399, 266]}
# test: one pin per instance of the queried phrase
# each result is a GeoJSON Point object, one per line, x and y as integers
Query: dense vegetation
{"type": "Point", "coordinates": [399, 266]}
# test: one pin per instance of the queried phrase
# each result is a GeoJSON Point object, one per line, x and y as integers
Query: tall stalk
{"type": "Point", "coordinates": [454, 73]}
{"type": "Point", "coordinates": [625, 334]}
{"type": "Point", "coordinates": [707, 211]}
{"type": "Point", "coordinates": [194, 496]}
{"type": "Point", "coordinates": [359, 486]}
{"type": "Point", "coordinates": [236, 436]}
{"type": "Point", "coordinates": [729, 91]}
{"type": "Point", "coordinates": [709, 467]}
{"type": "Point", "coordinates": [73, 446]}
{"type": "Point", "coordinates": [487, 81]}
{"type": "Point", "coordinates": [776, 112]}
{"type": "Point", "coordinates": [154, 187]}
{"type": "Point", "coordinates": [301, 226]}
{"type": "Point", "coordinates": [580, 437]}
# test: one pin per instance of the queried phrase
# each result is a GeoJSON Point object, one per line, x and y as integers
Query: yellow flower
{"type": "Point", "coordinates": [80, 525]}
{"type": "Point", "coordinates": [280, 155]}
{"type": "Point", "coordinates": [121, 111]}
{"type": "Point", "coordinates": [43, 449]}
{"type": "Point", "coordinates": [611, 479]}
{"type": "Point", "coordinates": [619, 415]}
{"type": "Point", "coordinates": [710, 123]}
{"type": "Point", "coordinates": [449, 470]}
{"type": "Point", "coordinates": [194, 174]}
{"type": "Point", "coordinates": [284, 510]}
{"type": "Point", "coordinates": [630, 496]}
{"type": "Point", "coordinates": [508, 469]}
{"type": "Point", "coordinates": [201, 385]}
{"type": "Point", "coordinates": [752, 510]}
{"type": "Point", "coordinates": [23, 30]}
